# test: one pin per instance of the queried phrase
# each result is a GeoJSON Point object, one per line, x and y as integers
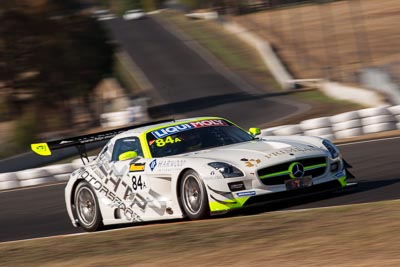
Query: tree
{"type": "Point", "coordinates": [54, 54]}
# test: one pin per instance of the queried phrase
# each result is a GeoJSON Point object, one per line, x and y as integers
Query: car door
{"type": "Point", "coordinates": [128, 174]}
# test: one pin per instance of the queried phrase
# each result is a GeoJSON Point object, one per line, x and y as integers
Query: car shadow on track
{"type": "Point", "coordinates": [299, 200]}
{"type": "Point", "coordinates": [207, 102]}
{"type": "Point", "coordinates": [331, 198]}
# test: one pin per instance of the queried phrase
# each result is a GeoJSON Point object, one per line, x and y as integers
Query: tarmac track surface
{"type": "Point", "coordinates": [39, 212]}
{"type": "Point", "coordinates": [187, 83]}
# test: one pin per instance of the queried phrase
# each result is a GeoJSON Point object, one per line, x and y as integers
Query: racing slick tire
{"type": "Point", "coordinates": [194, 199]}
{"type": "Point", "coordinates": [86, 207]}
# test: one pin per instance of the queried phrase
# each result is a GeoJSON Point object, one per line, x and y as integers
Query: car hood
{"type": "Point", "coordinates": [260, 152]}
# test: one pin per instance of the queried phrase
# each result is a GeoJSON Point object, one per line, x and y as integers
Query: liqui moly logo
{"type": "Point", "coordinates": [163, 132]}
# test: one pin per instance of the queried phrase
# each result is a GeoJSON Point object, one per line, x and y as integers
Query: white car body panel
{"type": "Point", "coordinates": [134, 14]}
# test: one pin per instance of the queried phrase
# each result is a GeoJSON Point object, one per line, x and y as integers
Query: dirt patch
{"type": "Point", "coordinates": [354, 235]}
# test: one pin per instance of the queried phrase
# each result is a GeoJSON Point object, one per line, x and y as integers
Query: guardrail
{"type": "Point", "coordinates": [340, 126]}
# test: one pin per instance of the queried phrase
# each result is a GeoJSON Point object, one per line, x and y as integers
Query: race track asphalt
{"type": "Point", "coordinates": [187, 83]}
{"type": "Point", "coordinates": [39, 212]}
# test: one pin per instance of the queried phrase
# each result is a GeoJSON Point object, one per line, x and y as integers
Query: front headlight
{"type": "Point", "coordinates": [227, 170]}
{"type": "Point", "coordinates": [331, 148]}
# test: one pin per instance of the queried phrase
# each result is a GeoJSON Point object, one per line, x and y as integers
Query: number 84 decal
{"type": "Point", "coordinates": [137, 183]}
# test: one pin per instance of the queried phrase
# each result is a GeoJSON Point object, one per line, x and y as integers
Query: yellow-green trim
{"type": "Point", "coordinates": [145, 146]}
{"type": "Point", "coordinates": [236, 203]}
{"type": "Point", "coordinates": [312, 167]}
{"type": "Point", "coordinates": [274, 174]}
{"type": "Point", "coordinates": [41, 149]}
{"type": "Point", "coordinates": [343, 180]}
{"type": "Point", "coordinates": [255, 131]}
{"type": "Point", "coordinates": [127, 155]}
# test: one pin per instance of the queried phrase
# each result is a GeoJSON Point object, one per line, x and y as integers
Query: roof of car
{"type": "Point", "coordinates": [134, 11]}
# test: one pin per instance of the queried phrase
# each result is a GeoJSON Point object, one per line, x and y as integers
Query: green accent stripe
{"type": "Point", "coordinates": [275, 174]}
{"type": "Point", "coordinates": [343, 180]}
{"type": "Point", "coordinates": [312, 167]}
{"type": "Point", "coordinates": [217, 206]}
{"type": "Point", "coordinates": [315, 166]}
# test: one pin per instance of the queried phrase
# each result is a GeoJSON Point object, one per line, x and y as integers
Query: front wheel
{"type": "Point", "coordinates": [194, 198]}
{"type": "Point", "coordinates": [86, 207]}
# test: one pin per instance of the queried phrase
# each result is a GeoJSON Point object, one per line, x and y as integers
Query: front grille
{"type": "Point", "coordinates": [278, 174]}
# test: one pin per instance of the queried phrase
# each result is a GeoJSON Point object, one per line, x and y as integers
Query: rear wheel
{"type": "Point", "coordinates": [87, 207]}
{"type": "Point", "coordinates": [194, 198]}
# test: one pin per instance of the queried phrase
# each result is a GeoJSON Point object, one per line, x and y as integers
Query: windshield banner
{"type": "Point", "coordinates": [160, 133]}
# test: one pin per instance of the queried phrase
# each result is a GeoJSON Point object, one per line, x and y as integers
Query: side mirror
{"type": "Point", "coordinates": [255, 131]}
{"type": "Point", "coordinates": [127, 155]}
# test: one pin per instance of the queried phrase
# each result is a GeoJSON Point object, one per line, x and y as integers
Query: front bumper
{"type": "Point", "coordinates": [254, 197]}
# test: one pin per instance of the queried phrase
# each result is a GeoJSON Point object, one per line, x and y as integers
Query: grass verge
{"type": "Point", "coordinates": [353, 235]}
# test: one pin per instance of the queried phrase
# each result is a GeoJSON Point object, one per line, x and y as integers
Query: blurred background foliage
{"type": "Point", "coordinates": [51, 54]}
{"type": "Point", "coordinates": [54, 53]}
{"type": "Point", "coordinates": [120, 6]}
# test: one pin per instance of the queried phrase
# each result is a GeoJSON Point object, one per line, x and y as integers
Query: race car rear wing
{"type": "Point", "coordinates": [45, 149]}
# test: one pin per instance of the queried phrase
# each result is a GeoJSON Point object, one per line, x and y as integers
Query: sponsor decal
{"type": "Point", "coordinates": [291, 150]}
{"type": "Point", "coordinates": [163, 132]}
{"type": "Point", "coordinates": [251, 162]}
{"type": "Point", "coordinates": [296, 170]}
{"type": "Point", "coordinates": [339, 174]}
{"type": "Point", "coordinates": [169, 165]}
{"type": "Point", "coordinates": [246, 194]}
{"type": "Point", "coordinates": [137, 183]}
{"type": "Point", "coordinates": [153, 165]}
{"type": "Point", "coordinates": [163, 142]}
{"type": "Point", "coordinates": [109, 190]}
{"type": "Point", "coordinates": [41, 149]}
{"type": "Point", "coordinates": [65, 142]}
{"type": "Point", "coordinates": [137, 167]}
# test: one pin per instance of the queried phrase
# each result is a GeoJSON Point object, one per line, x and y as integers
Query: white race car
{"type": "Point", "coordinates": [134, 14]}
{"type": "Point", "coordinates": [192, 168]}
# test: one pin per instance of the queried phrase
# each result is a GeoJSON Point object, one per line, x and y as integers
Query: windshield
{"type": "Point", "coordinates": [193, 136]}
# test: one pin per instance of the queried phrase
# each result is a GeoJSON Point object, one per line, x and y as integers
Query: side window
{"type": "Point", "coordinates": [126, 144]}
